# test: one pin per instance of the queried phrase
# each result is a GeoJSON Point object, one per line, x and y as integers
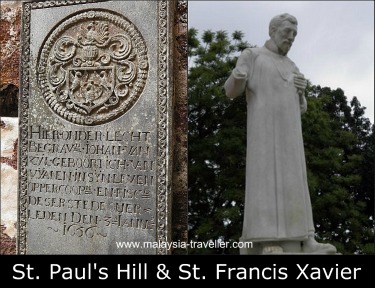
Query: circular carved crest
{"type": "Point", "coordinates": [93, 67]}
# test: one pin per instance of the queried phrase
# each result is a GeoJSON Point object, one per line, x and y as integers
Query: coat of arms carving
{"type": "Point", "coordinates": [93, 67]}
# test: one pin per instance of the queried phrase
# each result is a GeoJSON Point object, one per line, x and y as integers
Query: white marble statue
{"type": "Point", "coordinates": [278, 214]}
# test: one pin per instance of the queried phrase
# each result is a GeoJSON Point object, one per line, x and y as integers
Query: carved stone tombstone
{"type": "Point", "coordinates": [96, 137]}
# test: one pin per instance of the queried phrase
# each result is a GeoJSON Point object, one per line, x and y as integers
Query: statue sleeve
{"type": "Point", "coordinates": [302, 98]}
{"type": "Point", "coordinates": [303, 103]}
{"type": "Point", "coordinates": [236, 83]}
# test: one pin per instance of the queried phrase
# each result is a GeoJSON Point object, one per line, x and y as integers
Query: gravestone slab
{"type": "Point", "coordinates": [95, 127]}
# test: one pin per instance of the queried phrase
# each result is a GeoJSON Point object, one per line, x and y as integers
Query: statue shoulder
{"type": "Point", "coordinates": [251, 52]}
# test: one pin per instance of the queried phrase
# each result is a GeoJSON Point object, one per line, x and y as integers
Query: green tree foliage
{"type": "Point", "coordinates": [339, 147]}
{"type": "Point", "coordinates": [338, 143]}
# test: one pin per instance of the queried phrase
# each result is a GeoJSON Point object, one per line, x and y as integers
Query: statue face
{"type": "Point", "coordinates": [284, 36]}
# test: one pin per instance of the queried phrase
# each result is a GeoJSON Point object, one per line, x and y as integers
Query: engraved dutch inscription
{"type": "Point", "coordinates": [94, 150]}
{"type": "Point", "coordinates": [91, 182]}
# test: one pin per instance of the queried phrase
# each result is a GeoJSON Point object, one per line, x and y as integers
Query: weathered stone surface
{"type": "Point", "coordinates": [8, 185]}
{"type": "Point", "coordinates": [10, 26]}
{"type": "Point", "coordinates": [10, 21]}
{"type": "Point", "coordinates": [96, 125]}
{"type": "Point", "coordinates": [8, 245]}
{"type": "Point", "coordinates": [180, 129]}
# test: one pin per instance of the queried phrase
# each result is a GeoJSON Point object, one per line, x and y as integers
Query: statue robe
{"type": "Point", "coordinates": [277, 200]}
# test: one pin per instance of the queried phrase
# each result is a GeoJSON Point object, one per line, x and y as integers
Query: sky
{"type": "Point", "coordinates": [334, 46]}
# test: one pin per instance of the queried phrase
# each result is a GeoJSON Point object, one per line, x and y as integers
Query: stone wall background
{"type": "Point", "coordinates": [9, 136]}
{"type": "Point", "coordinates": [10, 22]}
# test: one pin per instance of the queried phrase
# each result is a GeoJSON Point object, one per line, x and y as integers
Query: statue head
{"type": "Point", "coordinates": [283, 31]}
